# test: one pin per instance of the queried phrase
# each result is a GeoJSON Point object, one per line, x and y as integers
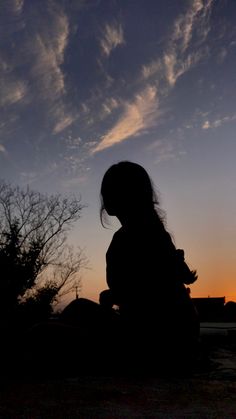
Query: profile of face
{"type": "Point", "coordinates": [126, 189]}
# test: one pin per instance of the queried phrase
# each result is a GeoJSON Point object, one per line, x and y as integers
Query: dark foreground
{"type": "Point", "coordinates": [209, 393]}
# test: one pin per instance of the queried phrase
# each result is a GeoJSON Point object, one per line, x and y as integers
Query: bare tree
{"type": "Point", "coordinates": [61, 277]}
{"type": "Point", "coordinates": [33, 240]}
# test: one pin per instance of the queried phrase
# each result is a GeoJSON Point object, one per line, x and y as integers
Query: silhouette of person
{"type": "Point", "coordinates": [156, 326]}
{"type": "Point", "coordinates": [146, 274]}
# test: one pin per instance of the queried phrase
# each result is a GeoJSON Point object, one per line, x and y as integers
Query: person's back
{"type": "Point", "coordinates": [153, 301]}
{"type": "Point", "coordinates": [143, 270]}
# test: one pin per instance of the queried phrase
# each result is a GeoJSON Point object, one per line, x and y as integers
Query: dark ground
{"type": "Point", "coordinates": [209, 393]}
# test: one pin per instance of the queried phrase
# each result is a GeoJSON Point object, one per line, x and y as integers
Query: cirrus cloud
{"type": "Point", "coordinates": [112, 37]}
{"type": "Point", "coordinates": [2, 148]}
{"type": "Point", "coordinates": [12, 91]}
{"type": "Point", "coordinates": [218, 122]}
{"type": "Point", "coordinates": [137, 116]}
{"type": "Point", "coordinates": [176, 60]}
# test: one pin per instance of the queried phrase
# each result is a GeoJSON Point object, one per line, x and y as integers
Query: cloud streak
{"type": "Point", "coordinates": [18, 5]}
{"type": "Point", "coordinates": [176, 60]}
{"type": "Point", "coordinates": [192, 20]}
{"type": "Point", "coordinates": [174, 67]}
{"type": "Point", "coordinates": [218, 122]}
{"type": "Point", "coordinates": [113, 36]}
{"type": "Point", "coordinates": [48, 47]}
{"type": "Point", "coordinates": [63, 123]}
{"type": "Point", "coordinates": [41, 51]}
{"type": "Point", "coordinates": [12, 91]}
{"type": "Point", "coordinates": [164, 150]}
{"type": "Point", "coordinates": [137, 116]}
{"type": "Point", "coordinates": [2, 148]}
{"type": "Point", "coordinates": [13, 6]}
{"type": "Point", "coordinates": [108, 106]}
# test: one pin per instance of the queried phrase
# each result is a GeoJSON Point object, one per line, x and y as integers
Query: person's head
{"type": "Point", "coordinates": [127, 190]}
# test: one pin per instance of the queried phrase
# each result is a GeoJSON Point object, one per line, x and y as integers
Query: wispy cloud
{"type": "Point", "coordinates": [218, 122]}
{"type": "Point", "coordinates": [112, 37]}
{"type": "Point", "coordinates": [176, 60]}
{"type": "Point", "coordinates": [18, 4]}
{"type": "Point", "coordinates": [63, 123]}
{"type": "Point", "coordinates": [108, 106]}
{"type": "Point", "coordinates": [222, 55]}
{"type": "Point", "coordinates": [2, 148]}
{"type": "Point", "coordinates": [206, 125]}
{"type": "Point", "coordinates": [137, 116]}
{"type": "Point", "coordinates": [194, 22]}
{"type": "Point", "coordinates": [164, 150]}
{"type": "Point", "coordinates": [14, 6]}
{"type": "Point", "coordinates": [174, 68]}
{"type": "Point", "coordinates": [193, 19]}
{"type": "Point", "coordinates": [47, 48]}
{"type": "Point", "coordinates": [151, 69]}
{"type": "Point", "coordinates": [12, 87]}
{"type": "Point", "coordinates": [41, 52]}
{"type": "Point", "coordinates": [64, 117]}
{"type": "Point", "coordinates": [12, 91]}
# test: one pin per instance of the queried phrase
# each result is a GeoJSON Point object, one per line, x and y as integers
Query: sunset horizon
{"type": "Point", "coordinates": [86, 84]}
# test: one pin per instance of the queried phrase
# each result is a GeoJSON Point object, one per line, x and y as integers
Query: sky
{"type": "Point", "coordinates": [87, 83]}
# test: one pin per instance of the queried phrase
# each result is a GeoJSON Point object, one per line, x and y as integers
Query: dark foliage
{"type": "Point", "coordinates": [33, 234]}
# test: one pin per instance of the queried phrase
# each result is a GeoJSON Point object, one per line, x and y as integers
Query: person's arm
{"type": "Point", "coordinates": [110, 297]}
{"type": "Point", "coordinates": [179, 269]}
{"type": "Point", "coordinates": [187, 276]}
{"type": "Point", "coordinates": [106, 299]}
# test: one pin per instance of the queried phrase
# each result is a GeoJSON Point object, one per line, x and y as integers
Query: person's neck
{"type": "Point", "coordinates": [137, 219]}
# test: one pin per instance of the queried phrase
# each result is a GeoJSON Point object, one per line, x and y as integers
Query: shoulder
{"type": "Point", "coordinates": [118, 236]}
{"type": "Point", "coordinates": [116, 242]}
{"type": "Point", "coordinates": [168, 240]}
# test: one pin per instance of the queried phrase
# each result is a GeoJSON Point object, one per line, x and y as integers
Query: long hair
{"type": "Point", "coordinates": [128, 185]}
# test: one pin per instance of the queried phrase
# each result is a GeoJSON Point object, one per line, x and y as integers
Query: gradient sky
{"type": "Point", "coordinates": [86, 83]}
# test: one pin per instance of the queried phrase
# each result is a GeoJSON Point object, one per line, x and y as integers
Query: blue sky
{"type": "Point", "coordinates": [84, 84]}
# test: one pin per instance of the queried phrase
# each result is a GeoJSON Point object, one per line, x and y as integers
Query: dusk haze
{"type": "Point", "coordinates": [85, 84]}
